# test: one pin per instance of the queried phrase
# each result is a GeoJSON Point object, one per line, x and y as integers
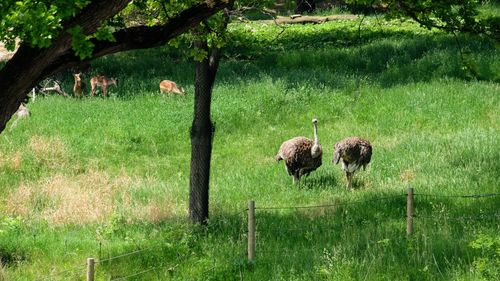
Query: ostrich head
{"type": "Point", "coordinates": [316, 149]}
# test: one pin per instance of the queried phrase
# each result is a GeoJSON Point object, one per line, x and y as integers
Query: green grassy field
{"type": "Point", "coordinates": [104, 177]}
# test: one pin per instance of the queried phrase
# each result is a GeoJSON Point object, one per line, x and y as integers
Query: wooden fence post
{"type": "Point", "coordinates": [409, 211]}
{"type": "Point", "coordinates": [251, 230]}
{"type": "Point", "coordinates": [90, 269]}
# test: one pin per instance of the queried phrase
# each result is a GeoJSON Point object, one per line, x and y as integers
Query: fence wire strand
{"type": "Point", "coordinates": [330, 226]}
{"type": "Point", "coordinates": [459, 196]}
{"type": "Point", "coordinates": [123, 255]}
{"type": "Point", "coordinates": [137, 273]}
{"type": "Point", "coordinates": [50, 276]}
{"type": "Point", "coordinates": [479, 217]}
{"type": "Point", "coordinates": [170, 267]}
{"type": "Point", "coordinates": [330, 205]}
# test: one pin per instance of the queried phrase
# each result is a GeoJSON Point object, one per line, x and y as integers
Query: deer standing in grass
{"type": "Point", "coordinates": [79, 85]}
{"type": "Point", "coordinates": [103, 82]}
{"type": "Point", "coordinates": [167, 86]}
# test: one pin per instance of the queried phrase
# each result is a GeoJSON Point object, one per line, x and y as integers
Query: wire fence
{"type": "Point", "coordinates": [484, 216]}
{"type": "Point", "coordinates": [325, 229]}
{"type": "Point", "coordinates": [459, 196]}
{"type": "Point", "coordinates": [168, 267]}
{"type": "Point", "coordinates": [330, 205]}
{"type": "Point", "coordinates": [123, 255]}
{"type": "Point", "coordinates": [66, 272]}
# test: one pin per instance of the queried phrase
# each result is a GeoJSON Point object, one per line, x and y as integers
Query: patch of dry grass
{"type": "Point", "coordinates": [13, 161]}
{"type": "Point", "coordinates": [407, 175]}
{"type": "Point", "coordinates": [49, 151]}
{"type": "Point", "coordinates": [86, 198]}
{"type": "Point", "coordinates": [157, 211]}
{"type": "Point", "coordinates": [3, 275]}
{"type": "Point", "coordinates": [389, 142]}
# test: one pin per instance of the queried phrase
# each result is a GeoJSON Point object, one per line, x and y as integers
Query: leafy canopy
{"type": "Point", "coordinates": [35, 22]}
{"type": "Point", "coordinates": [448, 15]}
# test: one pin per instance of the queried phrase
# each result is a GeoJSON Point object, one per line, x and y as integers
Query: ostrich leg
{"type": "Point", "coordinates": [349, 179]}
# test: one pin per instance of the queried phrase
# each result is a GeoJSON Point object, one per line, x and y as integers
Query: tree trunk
{"type": "Point", "coordinates": [201, 140]}
{"type": "Point", "coordinates": [305, 6]}
{"type": "Point", "coordinates": [202, 130]}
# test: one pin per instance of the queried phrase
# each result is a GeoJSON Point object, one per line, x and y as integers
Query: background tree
{"type": "Point", "coordinates": [305, 6]}
{"type": "Point", "coordinates": [55, 35]}
{"type": "Point", "coordinates": [448, 15]}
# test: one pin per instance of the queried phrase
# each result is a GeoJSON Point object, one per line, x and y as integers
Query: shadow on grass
{"type": "Point", "coordinates": [321, 181]}
{"type": "Point", "coordinates": [387, 62]}
{"type": "Point", "coordinates": [334, 59]}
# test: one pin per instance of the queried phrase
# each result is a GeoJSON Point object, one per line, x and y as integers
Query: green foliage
{"type": "Point", "coordinates": [105, 33]}
{"type": "Point", "coordinates": [83, 48]}
{"type": "Point", "coordinates": [487, 265]}
{"type": "Point", "coordinates": [81, 43]}
{"type": "Point", "coordinates": [35, 22]}
{"type": "Point", "coordinates": [449, 15]}
{"type": "Point", "coordinates": [10, 225]}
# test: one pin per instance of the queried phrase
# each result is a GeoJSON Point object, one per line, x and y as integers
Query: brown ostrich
{"type": "Point", "coordinates": [301, 154]}
{"type": "Point", "coordinates": [355, 153]}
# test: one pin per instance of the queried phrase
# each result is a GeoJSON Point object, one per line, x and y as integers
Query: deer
{"type": "Point", "coordinates": [103, 82]}
{"type": "Point", "coordinates": [79, 85]}
{"type": "Point", "coordinates": [21, 113]}
{"type": "Point", "coordinates": [167, 86]}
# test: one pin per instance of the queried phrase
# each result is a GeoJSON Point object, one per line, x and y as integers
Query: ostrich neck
{"type": "Point", "coordinates": [316, 148]}
{"type": "Point", "coordinates": [316, 141]}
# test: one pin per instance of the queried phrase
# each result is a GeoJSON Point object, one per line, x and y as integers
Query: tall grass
{"type": "Point", "coordinates": [106, 176]}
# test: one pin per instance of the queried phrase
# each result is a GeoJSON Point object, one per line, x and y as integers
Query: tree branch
{"type": "Point", "coordinates": [142, 37]}
{"type": "Point", "coordinates": [30, 65]}
{"type": "Point", "coordinates": [413, 14]}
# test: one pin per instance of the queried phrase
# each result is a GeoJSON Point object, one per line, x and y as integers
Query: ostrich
{"type": "Point", "coordinates": [301, 154]}
{"type": "Point", "coordinates": [354, 152]}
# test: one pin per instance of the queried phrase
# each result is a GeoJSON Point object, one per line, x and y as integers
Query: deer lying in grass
{"type": "Point", "coordinates": [21, 113]}
{"type": "Point", "coordinates": [79, 85]}
{"type": "Point", "coordinates": [167, 86]}
{"type": "Point", "coordinates": [103, 82]}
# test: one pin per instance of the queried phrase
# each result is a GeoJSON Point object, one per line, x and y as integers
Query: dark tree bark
{"type": "Point", "coordinates": [305, 6]}
{"type": "Point", "coordinates": [30, 65]}
{"type": "Point", "coordinates": [201, 140]}
{"type": "Point", "coordinates": [202, 132]}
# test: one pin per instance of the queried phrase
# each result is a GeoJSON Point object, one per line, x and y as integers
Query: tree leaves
{"type": "Point", "coordinates": [35, 22]}
{"type": "Point", "coordinates": [80, 44]}
{"type": "Point", "coordinates": [448, 15]}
